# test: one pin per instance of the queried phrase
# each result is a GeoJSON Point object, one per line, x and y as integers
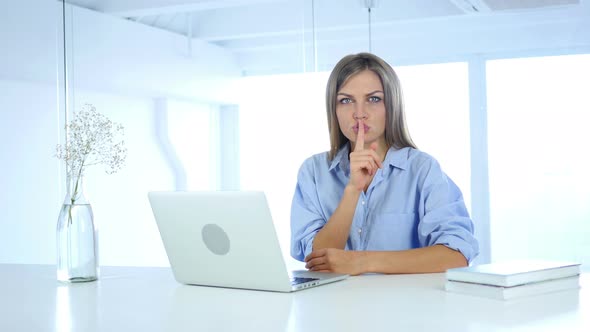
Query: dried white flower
{"type": "Point", "coordinates": [92, 139]}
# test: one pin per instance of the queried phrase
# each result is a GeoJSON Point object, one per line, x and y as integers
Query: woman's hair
{"type": "Point", "coordinates": [396, 130]}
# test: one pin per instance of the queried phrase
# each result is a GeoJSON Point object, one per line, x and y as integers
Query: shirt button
{"type": "Point", "coordinates": [360, 230]}
{"type": "Point", "coordinates": [363, 202]}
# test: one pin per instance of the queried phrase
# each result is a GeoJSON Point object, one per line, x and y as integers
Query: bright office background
{"type": "Point", "coordinates": [230, 95]}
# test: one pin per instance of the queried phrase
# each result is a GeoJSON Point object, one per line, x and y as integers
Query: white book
{"type": "Point", "coordinates": [507, 293]}
{"type": "Point", "coordinates": [512, 273]}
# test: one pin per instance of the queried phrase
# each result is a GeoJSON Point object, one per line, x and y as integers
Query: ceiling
{"type": "Point", "coordinates": [270, 29]}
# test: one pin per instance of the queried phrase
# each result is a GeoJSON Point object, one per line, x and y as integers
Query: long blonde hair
{"type": "Point", "coordinates": [396, 130]}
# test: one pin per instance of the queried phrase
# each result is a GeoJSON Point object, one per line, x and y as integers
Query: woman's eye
{"type": "Point", "coordinates": [345, 101]}
{"type": "Point", "coordinates": [374, 99]}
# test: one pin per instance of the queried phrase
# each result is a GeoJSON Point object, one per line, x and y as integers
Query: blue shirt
{"type": "Point", "coordinates": [410, 203]}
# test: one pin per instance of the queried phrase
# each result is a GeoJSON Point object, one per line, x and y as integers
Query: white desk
{"type": "Point", "coordinates": [149, 299]}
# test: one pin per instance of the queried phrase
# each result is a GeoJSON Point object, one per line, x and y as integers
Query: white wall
{"type": "Point", "coordinates": [121, 56]}
{"type": "Point", "coordinates": [27, 41]}
{"type": "Point", "coordinates": [29, 176]}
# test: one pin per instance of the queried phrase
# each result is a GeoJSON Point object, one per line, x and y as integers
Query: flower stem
{"type": "Point", "coordinates": [74, 195]}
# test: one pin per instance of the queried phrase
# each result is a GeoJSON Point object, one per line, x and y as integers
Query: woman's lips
{"type": "Point", "coordinates": [355, 128]}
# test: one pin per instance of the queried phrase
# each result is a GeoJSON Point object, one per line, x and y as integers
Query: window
{"type": "Point", "coordinates": [437, 110]}
{"type": "Point", "coordinates": [539, 193]}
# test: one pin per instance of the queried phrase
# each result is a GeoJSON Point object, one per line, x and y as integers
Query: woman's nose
{"type": "Point", "coordinates": [359, 112]}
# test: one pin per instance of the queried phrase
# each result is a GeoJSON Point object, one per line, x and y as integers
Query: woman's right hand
{"type": "Point", "coordinates": [363, 162]}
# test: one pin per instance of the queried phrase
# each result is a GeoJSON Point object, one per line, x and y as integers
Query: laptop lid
{"type": "Point", "coordinates": [221, 238]}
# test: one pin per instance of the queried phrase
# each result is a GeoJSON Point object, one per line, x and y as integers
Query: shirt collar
{"type": "Point", "coordinates": [397, 157]}
{"type": "Point", "coordinates": [394, 157]}
{"type": "Point", "coordinates": [341, 158]}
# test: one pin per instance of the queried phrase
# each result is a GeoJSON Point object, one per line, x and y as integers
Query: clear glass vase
{"type": "Point", "coordinates": [77, 240]}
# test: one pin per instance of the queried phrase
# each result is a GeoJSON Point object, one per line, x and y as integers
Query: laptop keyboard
{"type": "Point", "coordinates": [300, 280]}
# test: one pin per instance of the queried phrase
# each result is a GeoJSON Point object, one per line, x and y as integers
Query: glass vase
{"type": "Point", "coordinates": [77, 240]}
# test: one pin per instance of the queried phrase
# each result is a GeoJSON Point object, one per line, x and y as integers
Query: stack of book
{"type": "Point", "coordinates": [508, 280]}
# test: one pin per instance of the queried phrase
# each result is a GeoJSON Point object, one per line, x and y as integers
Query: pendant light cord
{"type": "Point", "coordinates": [370, 36]}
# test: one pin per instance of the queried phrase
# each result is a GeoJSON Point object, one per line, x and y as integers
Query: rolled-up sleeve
{"type": "Point", "coordinates": [444, 216]}
{"type": "Point", "coordinates": [306, 218]}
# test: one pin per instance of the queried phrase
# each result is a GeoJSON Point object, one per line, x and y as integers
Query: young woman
{"type": "Point", "coordinates": [374, 202]}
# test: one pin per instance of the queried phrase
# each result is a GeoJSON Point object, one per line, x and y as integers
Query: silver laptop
{"type": "Point", "coordinates": [226, 239]}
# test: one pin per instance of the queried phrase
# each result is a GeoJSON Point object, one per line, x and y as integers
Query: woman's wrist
{"type": "Point", "coordinates": [351, 188]}
{"type": "Point", "coordinates": [363, 261]}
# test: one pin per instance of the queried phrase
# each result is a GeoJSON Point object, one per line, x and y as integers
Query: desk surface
{"type": "Point", "coordinates": [149, 299]}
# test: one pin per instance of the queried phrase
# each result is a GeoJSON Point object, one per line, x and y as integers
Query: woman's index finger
{"type": "Point", "coordinates": [360, 137]}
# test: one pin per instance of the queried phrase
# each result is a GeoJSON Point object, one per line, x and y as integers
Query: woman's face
{"type": "Point", "coordinates": [361, 98]}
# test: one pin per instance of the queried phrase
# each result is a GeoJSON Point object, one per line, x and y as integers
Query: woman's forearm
{"type": "Point", "coordinates": [335, 232]}
{"type": "Point", "coordinates": [437, 258]}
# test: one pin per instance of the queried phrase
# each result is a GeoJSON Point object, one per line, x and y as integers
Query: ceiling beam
{"type": "Point", "coordinates": [471, 6]}
{"type": "Point", "coordinates": [214, 30]}
{"type": "Point", "coordinates": [141, 8]}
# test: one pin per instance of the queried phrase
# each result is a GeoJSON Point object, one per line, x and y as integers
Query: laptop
{"type": "Point", "coordinates": [226, 239]}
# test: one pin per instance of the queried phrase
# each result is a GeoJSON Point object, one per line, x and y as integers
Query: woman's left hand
{"type": "Point", "coordinates": [336, 261]}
